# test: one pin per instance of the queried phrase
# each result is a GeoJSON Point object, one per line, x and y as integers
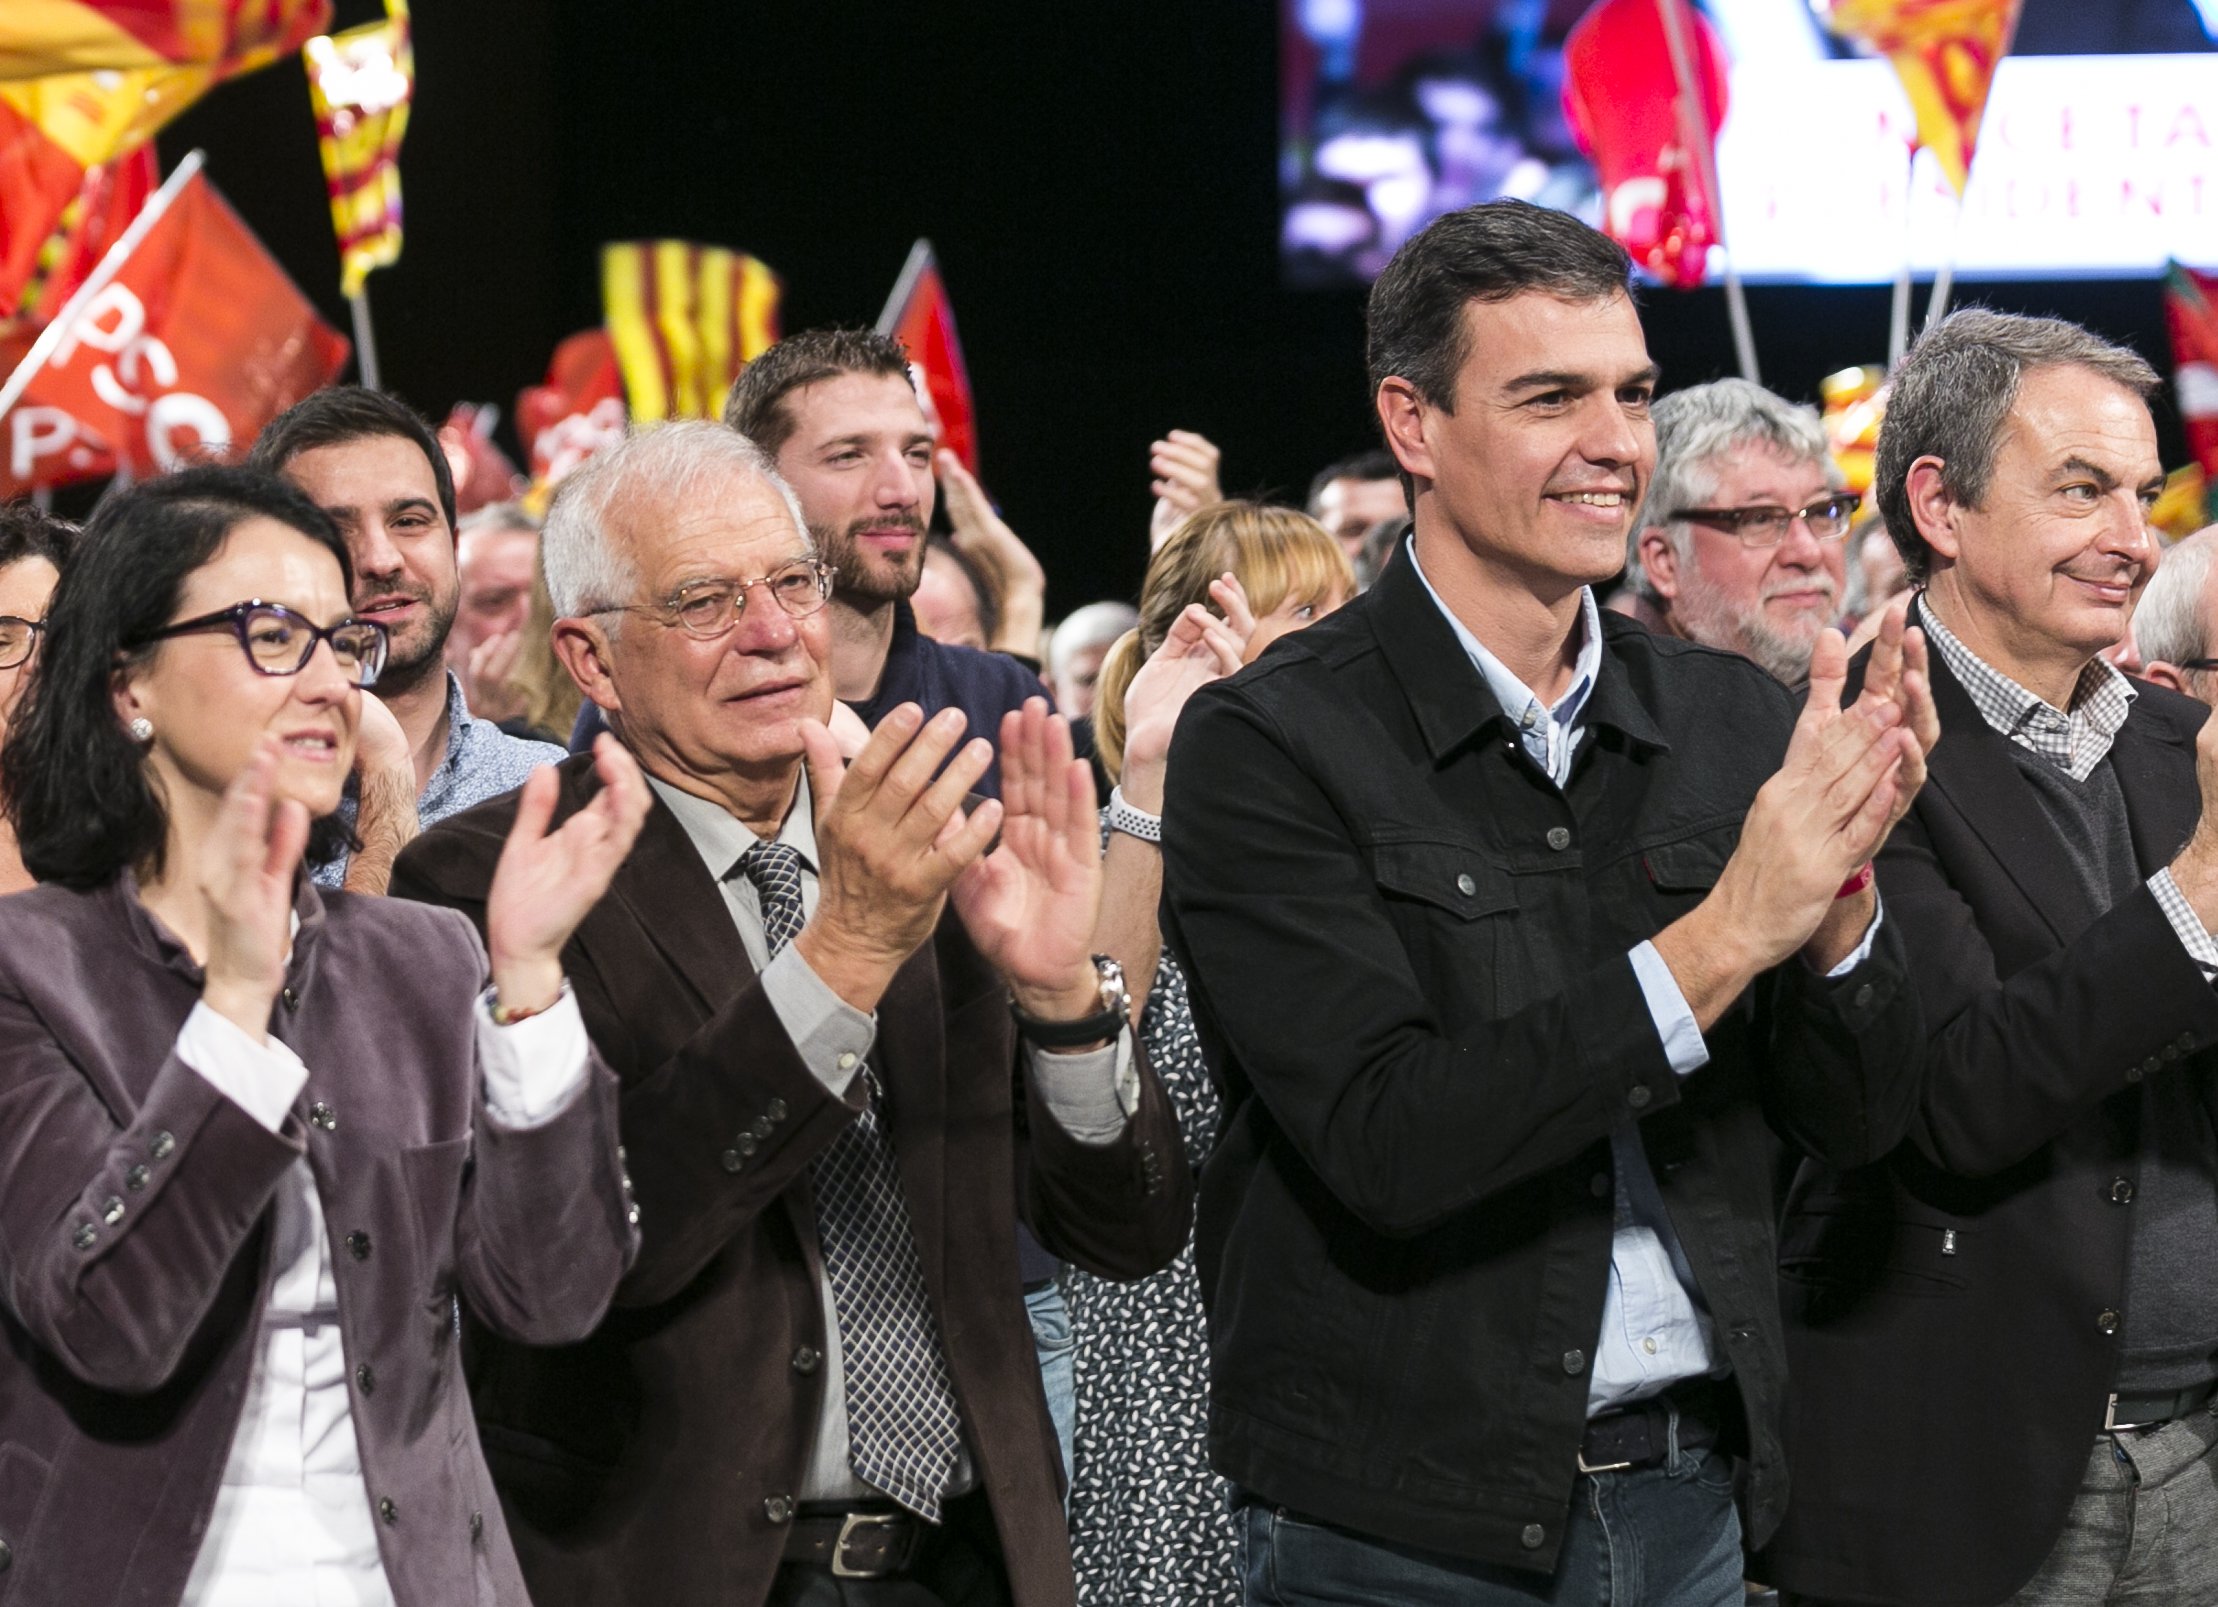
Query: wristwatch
{"type": "Point", "coordinates": [1102, 1026]}
{"type": "Point", "coordinates": [1133, 822]}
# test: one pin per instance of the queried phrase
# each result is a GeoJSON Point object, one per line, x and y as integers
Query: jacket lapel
{"type": "Point", "coordinates": [2156, 772]}
{"type": "Point", "coordinates": [669, 892]}
{"type": "Point", "coordinates": [1447, 695]}
{"type": "Point", "coordinates": [1973, 769]}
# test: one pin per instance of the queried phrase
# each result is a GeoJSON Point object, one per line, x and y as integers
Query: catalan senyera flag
{"type": "Point", "coordinates": [183, 348]}
{"type": "Point", "coordinates": [83, 83]}
{"type": "Point", "coordinates": [685, 319]}
{"type": "Point", "coordinates": [361, 82]}
{"type": "Point", "coordinates": [1945, 52]}
{"type": "Point", "coordinates": [919, 315]}
{"type": "Point", "coordinates": [2191, 309]}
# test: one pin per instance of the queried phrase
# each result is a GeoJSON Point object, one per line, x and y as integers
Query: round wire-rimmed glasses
{"type": "Point", "coordinates": [19, 639]}
{"type": "Point", "coordinates": [706, 609]}
{"type": "Point", "coordinates": [1828, 518]}
{"type": "Point", "coordinates": [278, 641]}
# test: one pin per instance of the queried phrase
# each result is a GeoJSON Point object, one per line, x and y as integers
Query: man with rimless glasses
{"type": "Point", "coordinates": [370, 463]}
{"type": "Point", "coordinates": [1740, 547]}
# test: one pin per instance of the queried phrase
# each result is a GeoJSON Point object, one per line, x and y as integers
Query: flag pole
{"type": "Point", "coordinates": [1694, 134]}
{"type": "Point", "coordinates": [365, 340]}
{"type": "Point", "coordinates": [920, 258]}
{"type": "Point", "coordinates": [1936, 305]}
{"type": "Point", "coordinates": [1898, 318]}
{"type": "Point", "coordinates": [110, 265]}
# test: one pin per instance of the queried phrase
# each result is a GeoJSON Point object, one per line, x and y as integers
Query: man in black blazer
{"type": "Point", "coordinates": [1508, 926]}
{"type": "Point", "coordinates": [2004, 1339]}
{"type": "Point", "coordinates": [810, 1388]}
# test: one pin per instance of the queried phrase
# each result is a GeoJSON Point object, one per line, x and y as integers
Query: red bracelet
{"type": "Point", "coordinates": [1856, 883]}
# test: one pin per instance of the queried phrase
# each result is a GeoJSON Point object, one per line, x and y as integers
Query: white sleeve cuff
{"type": "Point", "coordinates": [533, 1068]}
{"type": "Point", "coordinates": [1862, 952]}
{"type": "Point", "coordinates": [832, 1037]}
{"type": "Point", "coordinates": [262, 1079]}
{"type": "Point", "coordinates": [1667, 1007]}
{"type": "Point", "coordinates": [1091, 1095]}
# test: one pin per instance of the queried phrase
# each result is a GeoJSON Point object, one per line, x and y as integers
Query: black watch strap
{"type": "Point", "coordinates": [1100, 1027]}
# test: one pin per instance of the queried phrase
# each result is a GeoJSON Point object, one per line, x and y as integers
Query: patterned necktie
{"type": "Point", "coordinates": [904, 1432]}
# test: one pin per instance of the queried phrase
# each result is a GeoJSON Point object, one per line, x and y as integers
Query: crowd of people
{"type": "Point", "coordinates": [1592, 1017]}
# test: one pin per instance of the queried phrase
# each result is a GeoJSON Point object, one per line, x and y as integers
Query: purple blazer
{"type": "Point", "coordinates": [134, 1239]}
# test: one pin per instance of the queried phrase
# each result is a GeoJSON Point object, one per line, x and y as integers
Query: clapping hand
{"type": "Point", "coordinates": [1030, 906]}
{"type": "Point", "coordinates": [984, 537]}
{"type": "Point", "coordinates": [247, 866]}
{"type": "Point", "coordinates": [1183, 475]}
{"type": "Point", "coordinates": [1198, 649]}
{"type": "Point", "coordinates": [546, 881]}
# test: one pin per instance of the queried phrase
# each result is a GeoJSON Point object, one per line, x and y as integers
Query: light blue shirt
{"type": "Point", "coordinates": [1654, 1330]}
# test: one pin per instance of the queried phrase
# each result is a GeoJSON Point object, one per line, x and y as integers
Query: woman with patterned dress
{"type": "Point", "coordinates": [1149, 1521]}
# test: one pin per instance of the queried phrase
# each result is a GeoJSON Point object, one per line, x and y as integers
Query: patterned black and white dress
{"type": "Point", "coordinates": [1148, 1521]}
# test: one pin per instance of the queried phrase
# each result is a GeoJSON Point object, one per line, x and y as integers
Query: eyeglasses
{"type": "Point", "coordinates": [278, 641]}
{"type": "Point", "coordinates": [2185, 663]}
{"type": "Point", "coordinates": [19, 638]}
{"type": "Point", "coordinates": [1767, 526]}
{"type": "Point", "coordinates": [706, 609]}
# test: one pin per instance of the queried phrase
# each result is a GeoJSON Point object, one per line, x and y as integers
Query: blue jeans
{"type": "Point", "coordinates": [1051, 1341]}
{"type": "Point", "coordinates": [1663, 1536]}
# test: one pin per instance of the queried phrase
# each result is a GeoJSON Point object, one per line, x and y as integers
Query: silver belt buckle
{"type": "Point", "coordinates": [2110, 1423]}
{"type": "Point", "coordinates": [848, 1525]}
{"type": "Point", "coordinates": [1605, 1467]}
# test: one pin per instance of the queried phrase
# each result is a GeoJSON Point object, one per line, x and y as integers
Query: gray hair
{"type": "Point", "coordinates": [2168, 623]}
{"type": "Point", "coordinates": [1953, 394]}
{"type": "Point", "coordinates": [1095, 625]}
{"type": "Point", "coordinates": [664, 465]}
{"type": "Point", "coordinates": [1697, 427]}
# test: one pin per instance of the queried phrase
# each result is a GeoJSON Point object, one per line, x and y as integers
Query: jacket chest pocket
{"type": "Point", "coordinates": [1457, 914]}
{"type": "Point", "coordinates": [432, 1175]}
{"type": "Point", "coordinates": [1680, 874]}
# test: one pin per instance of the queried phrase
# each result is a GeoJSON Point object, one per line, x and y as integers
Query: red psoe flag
{"type": "Point", "coordinates": [919, 315]}
{"type": "Point", "coordinates": [180, 347]}
{"type": "Point", "coordinates": [579, 410]}
{"type": "Point", "coordinates": [2191, 309]}
{"type": "Point", "coordinates": [1622, 99]}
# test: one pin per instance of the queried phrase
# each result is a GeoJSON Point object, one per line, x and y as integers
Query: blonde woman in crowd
{"type": "Point", "coordinates": [1149, 1522]}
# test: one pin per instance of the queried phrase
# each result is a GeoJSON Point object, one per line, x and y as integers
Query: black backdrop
{"type": "Point", "coordinates": [1099, 182]}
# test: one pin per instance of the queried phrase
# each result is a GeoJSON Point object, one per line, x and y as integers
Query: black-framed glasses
{"type": "Point", "coordinates": [278, 641]}
{"type": "Point", "coordinates": [19, 639]}
{"type": "Point", "coordinates": [2185, 663]}
{"type": "Point", "coordinates": [706, 609]}
{"type": "Point", "coordinates": [1828, 518]}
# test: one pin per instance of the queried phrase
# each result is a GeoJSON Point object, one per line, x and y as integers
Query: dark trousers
{"type": "Point", "coordinates": [1662, 1536]}
{"type": "Point", "coordinates": [959, 1566]}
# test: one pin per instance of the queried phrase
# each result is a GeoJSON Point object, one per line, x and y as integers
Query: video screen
{"type": "Point", "coordinates": [2098, 155]}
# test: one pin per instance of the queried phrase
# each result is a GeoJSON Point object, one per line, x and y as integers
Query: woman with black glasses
{"type": "Point", "coordinates": [33, 547]}
{"type": "Point", "coordinates": [257, 1144]}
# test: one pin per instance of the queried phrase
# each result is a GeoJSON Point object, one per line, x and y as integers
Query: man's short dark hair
{"type": "Point", "coordinates": [756, 407]}
{"type": "Point", "coordinates": [1488, 252]}
{"type": "Point", "coordinates": [338, 414]}
{"type": "Point", "coordinates": [1953, 394]}
{"type": "Point", "coordinates": [29, 531]}
{"type": "Point", "coordinates": [1376, 464]}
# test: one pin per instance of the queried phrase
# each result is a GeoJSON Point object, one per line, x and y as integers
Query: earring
{"type": "Point", "coordinates": [142, 730]}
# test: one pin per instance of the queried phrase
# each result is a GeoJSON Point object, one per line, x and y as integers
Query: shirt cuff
{"type": "Point", "coordinates": [2193, 935]}
{"type": "Point", "coordinates": [1862, 952]}
{"type": "Point", "coordinates": [534, 1067]}
{"type": "Point", "coordinates": [1092, 1094]}
{"type": "Point", "coordinates": [1667, 1006]}
{"type": "Point", "coordinates": [261, 1078]}
{"type": "Point", "coordinates": [832, 1037]}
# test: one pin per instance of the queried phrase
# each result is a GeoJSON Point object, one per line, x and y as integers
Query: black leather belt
{"type": "Point", "coordinates": [1639, 1435]}
{"type": "Point", "coordinates": [2149, 1411]}
{"type": "Point", "coordinates": [857, 1543]}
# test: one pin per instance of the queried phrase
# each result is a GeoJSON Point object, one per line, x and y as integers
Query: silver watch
{"type": "Point", "coordinates": [1133, 822]}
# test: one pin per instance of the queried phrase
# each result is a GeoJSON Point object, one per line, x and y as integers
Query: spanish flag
{"type": "Point", "coordinates": [361, 82]}
{"type": "Point", "coordinates": [685, 319]}
{"type": "Point", "coordinates": [1945, 52]}
{"type": "Point", "coordinates": [84, 82]}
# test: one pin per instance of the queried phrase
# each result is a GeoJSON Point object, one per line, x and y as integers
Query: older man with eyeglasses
{"type": "Point", "coordinates": [1740, 546]}
{"type": "Point", "coordinates": [820, 1372]}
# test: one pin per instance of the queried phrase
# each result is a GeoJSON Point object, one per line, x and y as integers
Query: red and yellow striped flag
{"type": "Point", "coordinates": [84, 82]}
{"type": "Point", "coordinates": [685, 319]}
{"type": "Point", "coordinates": [361, 82]}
